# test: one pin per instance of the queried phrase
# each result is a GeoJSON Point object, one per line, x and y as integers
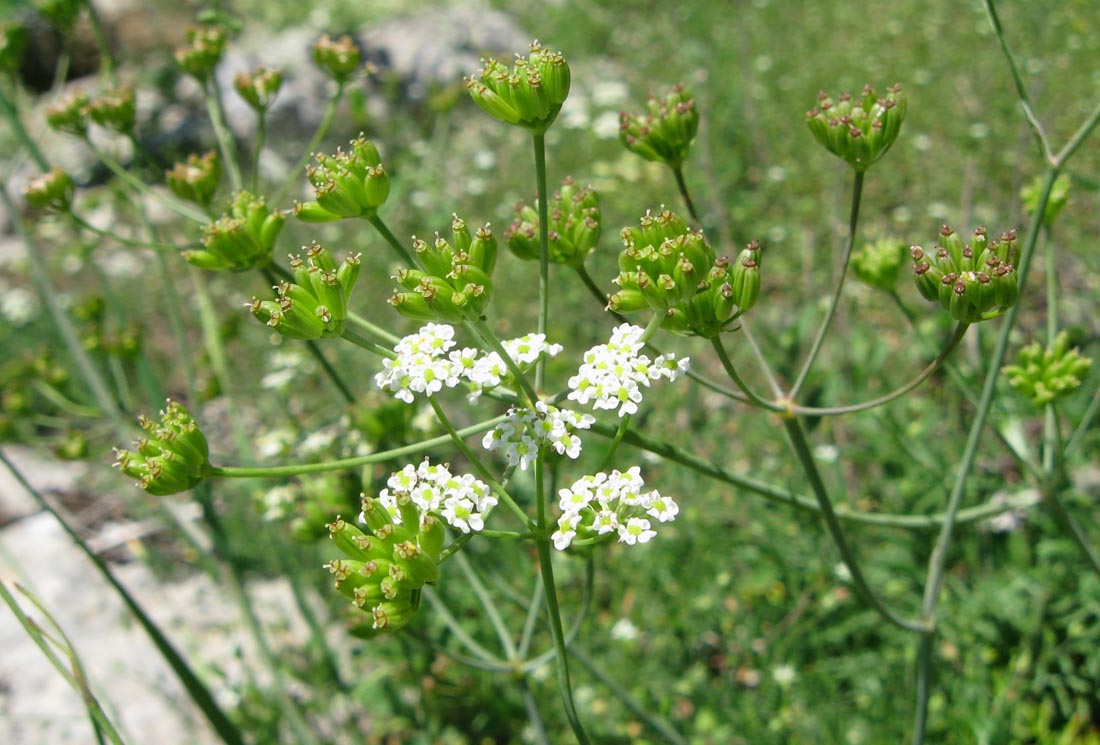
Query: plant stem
{"type": "Point", "coordinates": [198, 692]}
{"type": "Point", "coordinates": [544, 249]}
{"type": "Point", "coordinates": [546, 571]}
{"type": "Point", "coordinates": [482, 331]}
{"type": "Point", "coordinates": [248, 472]}
{"type": "Point", "coordinates": [806, 458]}
{"type": "Point", "coordinates": [490, 608]}
{"type": "Point", "coordinates": [391, 239]}
{"type": "Point", "coordinates": [140, 187]}
{"type": "Point", "coordinates": [731, 371]}
{"type": "Point", "coordinates": [370, 328]}
{"type": "Point", "coordinates": [48, 296]}
{"type": "Point", "coordinates": [678, 172]}
{"type": "Point", "coordinates": [460, 443]}
{"type": "Point", "coordinates": [937, 562]}
{"type": "Point", "coordinates": [216, 110]}
{"type": "Point", "coordinates": [311, 148]}
{"type": "Point", "coordinates": [853, 222]}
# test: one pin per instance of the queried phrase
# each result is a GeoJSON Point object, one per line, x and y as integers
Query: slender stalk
{"type": "Point", "coordinates": [311, 148]}
{"type": "Point", "coordinates": [620, 692]}
{"type": "Point", "coordinates": [198, 692]}
{"type": "Point", "coordinates": [806, 458]}
{"type": "Point", "coordinates": [546, 571]}
{"type": "Point", "coordinates": [533, 716]}
{"type": "Point", "coordinates": [455, 627]}
{"type": "Point", "coordinates": [140, 187]}
{"type": "Point", "coordinates": [1072, 529]}
{"type": "Point", "coordinates": [215, 109]}
{"type": "Point", "coordinates": [350, 335]}
{"type": "Point", "coordinates": [923, 375]}
{"type": "Point", "coordinates": [731, 371]}
{"type": "Point", "coordinates": [819, 339]}
{"type": "Point", "coordinates": [370, 328]}
{"type": "Point", "coordinates": [1086, 421]}
{"type": "Point", "coordinates": [481, 330]}
{"type": "Point", "coordinates": [471, 456]}
{"type": "Point", "coordinates": [48, 296]}
{"type": "Point", "coordinates": [761, 360]}
{"type": "Point", "coordinates": [544, 249]}
{"type": "Point", "coordinates": [391, 239]}
{"type": "Point", "coordinates": [167, 248]}
{"type": "Point", "coordinates": [21, 135]}
{"type": "Point", "coordinates": [937, 562]}
{"type": "Point", "coordinates": [258, 149]}
{"type": "Point", "coordinates": [1021, 87]}
{"type": "Point", "coordinates": [248, 472]}
{"type": "Point", "coordinates": [678, 172]}
{"type": "Point", "coordinates": [490, 608]}
{"type": "Point", "coordinates": [678, 454]}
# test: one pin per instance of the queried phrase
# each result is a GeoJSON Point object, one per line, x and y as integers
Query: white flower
{"type": "Point", "coordinates": [784, 674]}
{"type": "Point", "coordinates": [525, 432]}
{"type": "Point", "coordinates": [612, 375]}
{"type": "Point", "coordinates": [461, 501]}
{"type": "Point", "coordinates": [422, 364]}
{"type": "Point", "coordinates": [636, 530]}
{"type": "Point", "coordinates": [601, 504]}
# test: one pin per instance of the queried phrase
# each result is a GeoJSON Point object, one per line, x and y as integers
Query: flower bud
{"type": "Point", "coordinates": [116, 110]}
{"type": "Point", "coordinates": [665, 132]}
{"type": "Point", "coordinates": [529, 95]}
{"type": "Point", "coordinates": [729, 289]}
{"type": "Point", "coordinates": [879, 264]}
{"type": "Point", "coordinates": [1059, 195]}
{"type": "Point", "coordinates": [315, 305]}
{"type": "Point", "coordinates": [349, 184]}
{"type": "Point", "coordinates": [455, 284]}
{"type": "Point", "coordinates": [1046, 375]}
{"type": "Point", "coordinates": [69, 115]}
{"type": "Point", "coordinates": [858, 130]}
{"type": "Point", "coordinates": [52, 191]}
{"type": "Point", "coordinates": [259, 87]}
{"type": "Point", "coordinates": [663, 259]}
{"type": "Point", "coordinates": [172, 457]}
{"type": "Point", "coordinates": [973, 281]}
{"type": "Point", "coordinates": [573, 227]}
{"type": "Point", "coordinates": [338, 58]}
{"type": "Point", "coordinates": [196, 179]}
{"type": "Point", "coordinates": [203, 51]}
{"type": "Point", "coordinates": [241, 239]}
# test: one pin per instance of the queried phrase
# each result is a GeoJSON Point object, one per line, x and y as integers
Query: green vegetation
{"type": "Point", "coordinates": [921, 569]}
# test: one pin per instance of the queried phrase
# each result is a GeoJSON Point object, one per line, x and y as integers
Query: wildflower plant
{"type": "Point", "coordinates": [552, 450]}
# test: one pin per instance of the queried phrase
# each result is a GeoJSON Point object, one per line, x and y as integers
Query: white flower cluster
{"type": "Point", "coordinates": [612, 375]}
{"type": "Point", "coordinates": [601, 504]}
{"type": "Point", "coordinates": [427, 362]}
{"type": "Point", "coordinates": [525, 432]}
{"type": "Point", "coordinates": [461, 500]}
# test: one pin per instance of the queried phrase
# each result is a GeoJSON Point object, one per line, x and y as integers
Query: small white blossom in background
{"type": "Point", "coordinates": [284, 366]}
{"type": "Point", "coordinates": [784, 675]}
{"type": "Point", "coordinates": [427, 362]}
{"type": "Point", "coordinates": [624, 630]}
{"type": "Point", "coordinates": [18, 306]}
{"type": "Point", "coordinates": [275, 442]}
{"type": "Point", "coordinates": [612, 375]}
{"type": "Point", "coordinates": [611, 503]}
{"type": "Point", "coordinates": [275, 503]}
{"type": "Point", "coordinates": [525, 432]}
{"type": "Point", "coordinates": [462, 501]}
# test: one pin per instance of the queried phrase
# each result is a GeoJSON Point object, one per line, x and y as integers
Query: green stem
{"type": "Point", "coordinates": [731, 371]}
{"type": "Point", "coordinates": [106, 57]}
{"type": "Point", "coordinates": [1083, 427]}
{"type": "Point", "coordinates": [21, 134]}
{"type": "Point", "coordinates": [678, 172]}
{"type": "Point", "coordinates": [620, 692]}
{"type": "Point", "coordinates": [391, 239]}
{"type": "Point", "coordinates": [1017, 78]}
{"type": "Point", "coordinates": [243, 472]}
{"type": "Point", "coordinates": [216, 111]}
{"type": "Point", "coordinates": [490, 608]}
{"type": "Point", "coordinates": [806, 458]}
{"type": "Point", "coordinates": [1072, 529]}
{"type": "Point", "coordinates": [258, 149]}
{"type": "Point", "coordinates": [815, 348]}
{"type": "Point", "coordinates": [937, 562]}
{"type": "Point", "coordinates": [956, 337]}
{"type": "Point", "coordinates": [482, 331]}
{"type": "Point", "coordinates": [544, 249]}
{"type": "Point", "coordinates": [459, 631]}
{"type": "Point", "coordinates": [534, 718]}
{"type": "Point", "coordinates": [761, 360]}
{"type": "Point", "coordinates": [350, 335]}
{"type": "Point", "coordinates": [140, 187]}
{"type": "Point", "coordinates": [198, 692]}
{"type": "Point", "coordinates": [471, 456]}
{"type": "Point", "coordinates": [167, 248]}
{"type": "Point", "coordinates": [677, 454]}
{"type": "Point", "coordinates": [370, 328]}
{"type": "Point", "coordinates": [546, 571]}
{"type": "Point", "coordinates": [48, 296]}
{"type": "Point", "coordinates": [311, 148]}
